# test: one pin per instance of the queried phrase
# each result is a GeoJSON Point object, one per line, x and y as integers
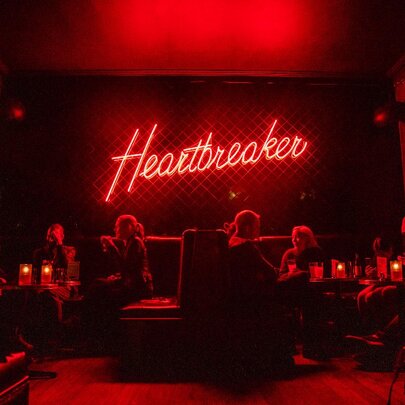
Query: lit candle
{"type": "Point", "coordinates": [396, 270]}
{"type": "Point", "coordinates": [25, 274]}
{"type": "Point", "coordinates": [341, 270]}
{"type": "Point", "coordinates": [46, 274]}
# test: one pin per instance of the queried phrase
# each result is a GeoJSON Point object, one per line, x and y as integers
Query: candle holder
{"type": "Point", "coordinates": [333, 265]}
{"type": "Point", "coordinates": [46, 274]}
{"type": "Point", "coordinates": [396, 270]}
{"type": "Point", "coordinates": [25, 274]}
{"type": "Point", "coordinates": [341, 270]}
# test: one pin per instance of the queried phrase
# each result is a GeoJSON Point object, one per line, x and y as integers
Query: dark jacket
{"type": "Point", "coordinates": [253, 277]}
{"type": "Point", "coordinates": [56, 255]}
{"type": "Point", "coordinates": [133, 265]}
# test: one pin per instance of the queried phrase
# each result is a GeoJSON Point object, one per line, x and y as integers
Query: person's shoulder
{"type": "Point", "coordinates": [247, 247]}
{"type": "Point", "coordinates": [314, 251]}
{"type": "Point", "coordinates": [290, 252]}
{"type": "Point", "coordinates": [239, 243]}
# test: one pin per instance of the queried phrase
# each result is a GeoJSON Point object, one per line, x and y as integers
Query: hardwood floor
{"type": "Point", "coordinates": [96, 381]}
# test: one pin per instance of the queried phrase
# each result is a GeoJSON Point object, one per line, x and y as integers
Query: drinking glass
{"type": "Point", "coordinates": [316, 269]}
{"type": "Point", "coordinates": [292, 265]}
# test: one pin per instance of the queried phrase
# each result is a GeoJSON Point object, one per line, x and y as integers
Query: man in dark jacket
{"type": "Point", "coordinates": [253, 277]}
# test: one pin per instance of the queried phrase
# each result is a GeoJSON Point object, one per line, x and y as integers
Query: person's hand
{"type": "Point", "coordinates": [57, 238]}
{"type": "Point", "coordinates": [114, 277]}
{"type": "Point", "coordinates": [370, 271]}
{"type": "Point", "coordinates": [106, 242]}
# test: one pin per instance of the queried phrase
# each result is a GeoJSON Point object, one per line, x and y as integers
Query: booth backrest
{"type": "Point", "coordinates": [204, 276]}
{"type": "Point", "coordinates": [164, 263]}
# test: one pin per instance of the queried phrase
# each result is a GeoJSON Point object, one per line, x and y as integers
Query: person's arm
{"type": "Point", "coordinates": [60, 259]}
{"type": "Point", "coordinates": [269, 272]}
{"type": "Point", "coordinates": [135, 270]}
{"type": "Point", "coordinates": [288, 254]}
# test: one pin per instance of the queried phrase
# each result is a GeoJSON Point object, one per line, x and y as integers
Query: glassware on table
{"type": "Point", "coordinates": [316, 269]}
{"type": "Point", "coordinates": [370, 270]}
{"type": "Point", "coordinates": [25, 275]}
{"type": "Point", "coordinates": [292, 265]}
{"type": "Point", "coordinates": [396, 270]}
{"type": "Point", "coordinates": [46, 273]}
{"type": "Point", "coordinates": [341, 270]}
{"type": "Point", "coordinates": [333, 267]}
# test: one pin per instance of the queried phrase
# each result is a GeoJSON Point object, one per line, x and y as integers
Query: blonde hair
{"type": "Point", "coordinates": [306, 232]}
{"type": "Point", "coordinates": [55, 227]}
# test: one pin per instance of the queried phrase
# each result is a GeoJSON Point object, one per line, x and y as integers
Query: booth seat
{"type": "Point", "coordinates": [14, 378]}
{"type": "Point", "coordinates": [202, 325]}
{"type": "Point", "coordinates": [163, 328]}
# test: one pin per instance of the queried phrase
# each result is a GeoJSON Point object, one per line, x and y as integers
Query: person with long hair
{"type": "Point", "coordinates": [305, 250]}
{"type": "Point", "coordinates": [131, 280]}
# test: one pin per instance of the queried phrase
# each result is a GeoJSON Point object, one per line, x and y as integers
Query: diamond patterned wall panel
{"type": "Point", "coordinates": [75, 125]}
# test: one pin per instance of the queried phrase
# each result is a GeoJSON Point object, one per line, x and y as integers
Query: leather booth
{"type": "Point", "coordinates": [160, 329]}
{"type": "Point", "coordinates": [199, 325]}
{"type": "Point", "coordinates": [14, 379]}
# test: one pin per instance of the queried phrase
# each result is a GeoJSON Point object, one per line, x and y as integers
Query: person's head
{"type": "Point", "coordinates": [126, 226]}
{"type": "Point", "coordinates": [383, 246]}
{"type": "Point", "coordinates": [303, 238]}
{"type": "Point", "coordinates": [55, 234]}
{"type": "Point", "coordinates": [247, 224]}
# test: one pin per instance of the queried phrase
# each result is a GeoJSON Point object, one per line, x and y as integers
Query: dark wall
{"type": "Point", "coordinates": [56, 164]}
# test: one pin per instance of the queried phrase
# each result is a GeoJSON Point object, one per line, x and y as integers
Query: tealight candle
{"type": "Point", "coordinates": [341, 270]}
{"type": "Point", "coordinates": [46, 274]}
{"type": "Point", "coordinates": [25, 274]}
{"type": "Point", "coordinates": [396, 270]}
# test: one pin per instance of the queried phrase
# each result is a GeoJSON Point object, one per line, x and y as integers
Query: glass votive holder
{"type": "Point", "coordinates": [46, 274]}
{"type": "Point", "coordinates": [25, 274]}
{"type": "Point", "coordinates": [292, 265]}
{"type": "Point", "coordinates": [316, 269]}
{"type": "Point", "coordinates": [396, 270]}
{"type": "Point", "coordinates": [341, 270]}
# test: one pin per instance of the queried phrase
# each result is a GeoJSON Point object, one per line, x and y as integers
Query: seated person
{"type": "Point", "coordinates": [378, 307]}
{"type": "Point", "coordinates": [254, 278]}
{"type": "Point", "coordinates": [256, 282]}
{"type": "Point", "coordinates": [131, 279]}
{"type": "Point", "coordinates": [53, 252]}
{"type": "Point", "coordinates": [44, 310]}
{"type": "Point", "coordinates": [260, 332]}
{"type": "Point", "coordinates": [305, 250]}
{"type": "Point", "coordinates": [130, 255]}
{"type": "Point", "coordinates": [294, 289]}
{"type": "Point", "coordinates": [382, 247]}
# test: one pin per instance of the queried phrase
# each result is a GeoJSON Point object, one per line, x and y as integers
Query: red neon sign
{"type": "Point", "coordinates": [204, 156]}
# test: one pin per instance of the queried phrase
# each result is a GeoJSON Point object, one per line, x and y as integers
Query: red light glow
{"type": "Point", "coordinates": [204, 156]}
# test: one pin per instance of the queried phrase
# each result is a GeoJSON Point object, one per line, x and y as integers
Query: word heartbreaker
{"type": "Point", "coordinates": [204, 156]}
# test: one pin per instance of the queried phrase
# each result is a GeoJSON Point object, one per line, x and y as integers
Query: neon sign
{"type": "Point", "coordinates": [204, 156]}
